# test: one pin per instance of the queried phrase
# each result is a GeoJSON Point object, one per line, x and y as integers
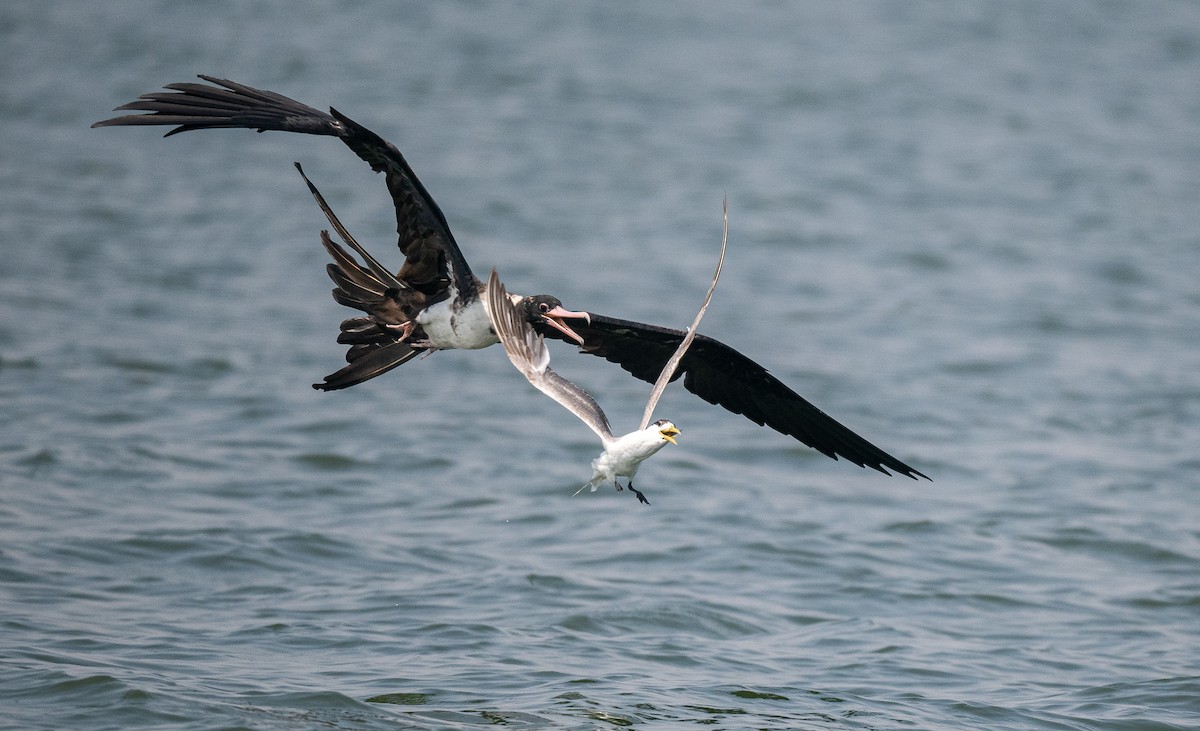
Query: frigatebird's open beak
{"type": "Point", "coordinates": [554, 317]}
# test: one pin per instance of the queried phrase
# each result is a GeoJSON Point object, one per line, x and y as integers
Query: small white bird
{"type": "Point", "coordinates": [624, 454]}
{"type": "Point", "coordinates": [527, 350]}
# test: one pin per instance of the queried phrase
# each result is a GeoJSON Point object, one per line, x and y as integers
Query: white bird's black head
{"type": "Point", "coordinates": [547, 309]}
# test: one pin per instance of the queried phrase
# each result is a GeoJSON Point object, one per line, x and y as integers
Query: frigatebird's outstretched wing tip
{"type": "Point", "coordinates": [916, 474]}
{"type": "Point", "coordinates": [880, 462]}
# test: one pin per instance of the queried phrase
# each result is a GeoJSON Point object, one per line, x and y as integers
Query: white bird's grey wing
{"type": "Point", "coordinates": [527, 351]}
{"type": "Point", "coordinates": [673, 362]}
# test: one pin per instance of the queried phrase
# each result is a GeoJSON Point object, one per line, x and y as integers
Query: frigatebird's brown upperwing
{"type": "Point", "coordinates": [721, 375]}
{"type": "Point", "coordinates": [434, 265]}
{"type": "Point", "coordinates": [434, 268]}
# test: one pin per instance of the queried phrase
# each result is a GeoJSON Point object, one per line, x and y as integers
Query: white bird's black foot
{"type": "Point", "coordinates": [641, 498]}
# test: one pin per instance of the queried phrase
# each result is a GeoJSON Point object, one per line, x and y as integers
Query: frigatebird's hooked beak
{"type": "Point", "coordinates": [554, 318]}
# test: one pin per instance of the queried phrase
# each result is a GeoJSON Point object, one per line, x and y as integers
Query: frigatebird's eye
{"type": "Point", "coordinates": [543, 307]}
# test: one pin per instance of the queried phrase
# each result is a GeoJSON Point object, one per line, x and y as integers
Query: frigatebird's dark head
{"type": "Point", "coordinates": [546, 309]}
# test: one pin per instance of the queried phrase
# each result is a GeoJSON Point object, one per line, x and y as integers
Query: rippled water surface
{"type": "Point", "coordinates": [970, 231]}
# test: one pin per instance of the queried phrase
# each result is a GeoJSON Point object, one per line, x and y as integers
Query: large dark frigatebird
{"type": "Point", "coordinates": [435, 302]}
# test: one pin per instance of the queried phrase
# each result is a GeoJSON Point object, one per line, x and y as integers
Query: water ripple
{"type": "Point", "coordinates": [967, 231]}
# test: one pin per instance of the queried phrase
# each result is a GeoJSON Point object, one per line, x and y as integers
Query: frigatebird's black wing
{"type": "Point", "coordinates": [434, 265]}
{"type": "Point", "coordinates": [721, 375]}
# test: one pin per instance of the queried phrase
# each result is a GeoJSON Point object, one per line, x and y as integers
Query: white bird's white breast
{"type": "Point", "coordinates": [625, 454]}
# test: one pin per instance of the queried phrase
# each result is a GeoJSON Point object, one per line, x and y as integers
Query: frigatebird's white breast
{"type": "Point", "coordinates": [391, 332]}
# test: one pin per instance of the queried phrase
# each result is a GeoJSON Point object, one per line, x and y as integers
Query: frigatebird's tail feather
{"type": "Point", "coordinates": [346, 272]}
{"type": "Point", "coordinates": [351, 291]}
{"type": "Point", "coordinates": [375, 347]}
{"type": "Point", "coordinates": [366, 362]}
{"type": "Point", "coordinates": [378, 270]}
{"type": "Point", "coordinates": [354, 283]}
{"type": "Point", "coordinates": [359, 289]}
{"type": "Point", "coordinates": [363, 331]}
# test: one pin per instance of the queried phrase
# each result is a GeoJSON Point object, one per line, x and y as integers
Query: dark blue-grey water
{"type": "Point", "coordinates": [970, 231]}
